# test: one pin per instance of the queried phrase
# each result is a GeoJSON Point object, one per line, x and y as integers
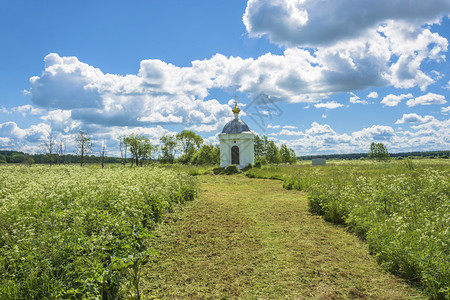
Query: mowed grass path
{"type": "Point", "coordinates": [251, 239]}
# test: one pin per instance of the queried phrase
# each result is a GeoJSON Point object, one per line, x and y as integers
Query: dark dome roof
{"type": "Point", "coordinates": [235, 126]}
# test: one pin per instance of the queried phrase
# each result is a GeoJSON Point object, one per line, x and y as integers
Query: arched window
{"type": "Point", "coordinates": [235, 155]}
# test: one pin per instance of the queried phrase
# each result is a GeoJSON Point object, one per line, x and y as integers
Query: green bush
{"type": "Point", "coordinates": [231, 169]}
{"type": "Point", "coordinates": [247, 167]}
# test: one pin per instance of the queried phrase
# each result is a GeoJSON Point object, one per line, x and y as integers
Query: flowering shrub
{"type": "Point", "coordinates": [69, 232]}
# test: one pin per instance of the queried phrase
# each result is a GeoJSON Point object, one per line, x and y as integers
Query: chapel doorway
{"type": "Point", "coordinates": [235, 155]}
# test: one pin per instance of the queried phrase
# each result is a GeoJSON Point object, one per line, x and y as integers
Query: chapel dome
{"type": "Point", "coordinates": [235, 126]}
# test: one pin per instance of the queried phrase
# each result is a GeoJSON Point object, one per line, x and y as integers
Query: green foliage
{"type": "Point", "coordinates": [267, 152]}
{"type": "Point", "coordinates": [189, 143]}
{"type": "Point", "coordinates": [218, 171]}
{"type": "Point", "coordinates": [379, 152]}
{"type": "Point", "coordinates": [207, 155]}
{"type": "Point", "coordinates": [28, 161]}
{"type": "Point", "coordinates": [409, 164]}
{"type": "Point", "coordinates": [272, 153]}
{"type": "Point", "coordinates": [83, 146]}
{"type": "Point", "coordinates": [260, 146]}
{"type": "Point", "coordinates": [247, 167]}
{"type": "Point", "coordinates": [261, 160]}
{"type": "Point", "coordinates": [75, 233]}
{"type": "Point", "coordinates": [231, 169]}
{"type": "Point", "coordinates": [140, 148]}
{"type": "Point", "coordinates": [168, 148]}
{"type": "Point", "coordinates": [403, 213]}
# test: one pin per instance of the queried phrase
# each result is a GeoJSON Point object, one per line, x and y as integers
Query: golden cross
{"type": "Point", "coordinates": [235, 99]}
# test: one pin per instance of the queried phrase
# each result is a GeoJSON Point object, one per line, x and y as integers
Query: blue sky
{"type": "Point", "coordinates": [333, 76]}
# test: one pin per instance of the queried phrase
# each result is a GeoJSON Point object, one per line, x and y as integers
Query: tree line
{"type": "Point", "coordinates": [185, 147]}
{"type": "Point", "coordinates": [267, 152]}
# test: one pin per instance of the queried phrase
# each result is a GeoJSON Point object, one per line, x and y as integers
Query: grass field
{"type": "Point", "coordinates": [88, 233]}
{"type": "Point", "coordinates": [251, 239]}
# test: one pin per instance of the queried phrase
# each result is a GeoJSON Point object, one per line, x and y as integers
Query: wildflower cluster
{"type": "Point", "coordinates": [404, 218]}
{"type": "Point", "coordinates": [68, 232]}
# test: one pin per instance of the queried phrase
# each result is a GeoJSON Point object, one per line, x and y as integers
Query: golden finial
{"type": "Point", "coordinates": [236, 108]}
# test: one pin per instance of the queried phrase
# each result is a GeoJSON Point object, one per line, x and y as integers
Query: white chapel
{"type": "Point", "coordinates": [236, 142]}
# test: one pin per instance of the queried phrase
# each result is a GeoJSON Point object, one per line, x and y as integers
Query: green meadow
{"type": "Point", "coordinates": [345, 230]}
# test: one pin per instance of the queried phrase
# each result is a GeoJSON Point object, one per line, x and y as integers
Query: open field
{"type": "Point", "coordinates": [84, 233]}
{"type": "Point", "coordinates": [401, 208]}
{"type": "Point", "coordinates": [78, 233]}
{"type": "Point", "coordinates": [251, 239]}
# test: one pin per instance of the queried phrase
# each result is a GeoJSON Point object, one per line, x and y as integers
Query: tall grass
{"type": "Point", "coordinates": [70, 232]}
{"type": "Point", "coordinates": [401, 209]}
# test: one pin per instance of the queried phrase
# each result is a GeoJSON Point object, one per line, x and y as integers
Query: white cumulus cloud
{"type": "Point", "coordinates": [394, 100]}
{"type": "Point", "coordinates": [373, 95]}
{"type": "Point", "coordinates": [328, 105]}
{"type": "Point", "coordinates": [427, 99]}
{"type": "Point", "coordinates": [313, 23]}
{"type": "Point", "coordinates": [414, 118]}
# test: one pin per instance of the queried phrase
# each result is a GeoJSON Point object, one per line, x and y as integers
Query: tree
{"type": "Point", "coordinates": [259, 147]}
{"type": "Point", "coordinates": [379, 152]}
{"type": "Point", "coordinates": [48, 146]}
{"type": "Point", "coordinates": [168, 148]}
{"type": "Point", "coordinates": [102, 154]}
{"type": "Point", "coordinates": [83, 146]}
{"type": "Point", "coordinates": [140, 148]}
{"type": "Point", "coordinates": [272, 153]}
{"type": "Point", "coordinates": [207, 155]}
{"type": "Point", "coordinates": [293, 156]}
{"type": "Point", "coordinates": [285, 154]}
{"type": "Point", "coordinates": [189, 143]}
{"type": "Point", "coordinates": [28, 161]}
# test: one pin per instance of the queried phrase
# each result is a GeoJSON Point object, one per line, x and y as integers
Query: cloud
{"type": "Point", "coordinates": [388, 34]}
{"type": "Point", "coordinates": [355, 99]}
{"type": "Point", "coordinates": [317, 129]}
{"type": "Point", "coordinates": [427, 99]}
{"type": "Point", "coordinates": [373, 95]}
{"type": "Point", "coordinates": [414, 118]}
{"type": "Point", "coordinates": [11, 130]}
{"type": "Point", "coordinates": [160, 93]}
{"type": "Point", "coordinates": [394, 100]}
{"type": "Point", "coordinates": [312, 23]}
{"type": "Point", "coordinates": [270, 126]}
{"type": "Point", "coordinates": [288, 132]}
{"type": "Point", "coordinates": [289, 127]}
{"type": "Point", "coordinates": [376, 132]}
{"type": "Point", "coordinates": [19, 137]}
{"type": "Point", "coordinates": [24, 110]}
{"type": "Point", "coordinates": [431, 135]}
{"type": "Point", "coordinates": [328, 105]}
{"type": "Point", "coordinates": [445, 110]}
